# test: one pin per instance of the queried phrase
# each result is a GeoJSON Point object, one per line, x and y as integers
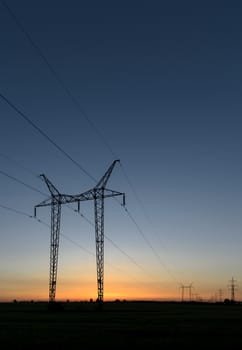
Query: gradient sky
{"type": "Point", "coordinates": [159, 87]}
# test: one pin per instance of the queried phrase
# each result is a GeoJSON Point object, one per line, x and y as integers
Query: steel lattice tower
{"type": "Point", "coordinates": [98, 193]}
{"type": "Point", "coordinates": [232, 287]}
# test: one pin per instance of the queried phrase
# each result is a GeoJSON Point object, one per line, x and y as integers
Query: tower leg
{"type": "Point", "coordinates": [99, 234]}
{"type": "Point", "coordinates": [54, 247]}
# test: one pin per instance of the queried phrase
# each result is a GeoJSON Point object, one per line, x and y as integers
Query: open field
{"type": "Point", "coordinates": [120, 325]}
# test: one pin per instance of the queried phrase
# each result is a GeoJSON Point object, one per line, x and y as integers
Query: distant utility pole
{"type": "Point", "coordinates": [232, 287]}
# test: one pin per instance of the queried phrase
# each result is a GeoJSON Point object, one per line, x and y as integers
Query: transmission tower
{"type": "Point", "coordinates": [232, 288]}
{"type": "Point", "coordinates": [220, 294]}
{"type": "Point", "coordinates": [189, 287]}
{"type": "Point", "coordinates": [98, 193]}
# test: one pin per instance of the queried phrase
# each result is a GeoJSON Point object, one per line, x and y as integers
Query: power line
{"type": "Point", "coordinates": [137, 197]}
{"type": "Point", "coordinates": [29, 121]}
{"type": "Point", "coordinates": [21, 182]}
{"type": "Point", "coordinates": [124, 253]}
{"type": "Point", "coordinates": [125, 207]}
{"type": "Point", "coordinates": [36, 190]}
{"type": "Point", "coordinates": [17, 211]}
{"type": "Point", "coordinates": [82, 215]}
{"type": "Point", "coordinates": [115, 245]}
{"type": "Point", "coordinates": [138, 227]}
{"type": "Point", "coordinates": [57, 76]}
{"type": "Point", "coordinates": [76, 103]}
{"type": "Point", "coordinates": [71, 96]}
{"type": "Point", "coordinates": [18, 164]}
{"type": "Point", "coordinates": [31, 187]}
{"type": "Point", "coordinates": [68, 92]}
{"type": "Point", "coordinates": [149, 244]}
{"type": "Point", "coordinates": [45, 224]}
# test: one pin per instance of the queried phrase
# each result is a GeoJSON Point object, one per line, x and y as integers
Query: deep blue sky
{"type": "Point", "coordinates": [160, 83]}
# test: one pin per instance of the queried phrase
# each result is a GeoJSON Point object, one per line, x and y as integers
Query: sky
{"type": "Point", "coordinates": [155, 84]}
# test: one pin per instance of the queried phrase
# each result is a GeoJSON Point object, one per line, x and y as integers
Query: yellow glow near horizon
{"type": "Point", "coordinates": [71, 288]}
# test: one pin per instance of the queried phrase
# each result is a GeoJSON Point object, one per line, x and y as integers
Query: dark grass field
{"type": "Point", "coordinates": [145, 325]}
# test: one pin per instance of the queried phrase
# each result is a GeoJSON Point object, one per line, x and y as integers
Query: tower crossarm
{"type": "Point", "coordinates": [108, 193]}
{"type": "Point", "coordinates": [97, 193]}
{"type": "Point", "coordinates": [85, 196]}
{"type": "Point", "coordinates": [57, 199]}
{"type": "Point", "coordinates": [44, 203]}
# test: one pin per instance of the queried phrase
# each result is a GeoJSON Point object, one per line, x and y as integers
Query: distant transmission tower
{"type": "Point", "coordinates": [220, 294]}
{"type": "Point", "coordinates": [232, 288]}
{"type": "Point", "coordinates": [189, 287]}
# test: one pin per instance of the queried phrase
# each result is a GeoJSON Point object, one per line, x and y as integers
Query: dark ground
{"type": "Point", "coordinates": [120, 325]}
